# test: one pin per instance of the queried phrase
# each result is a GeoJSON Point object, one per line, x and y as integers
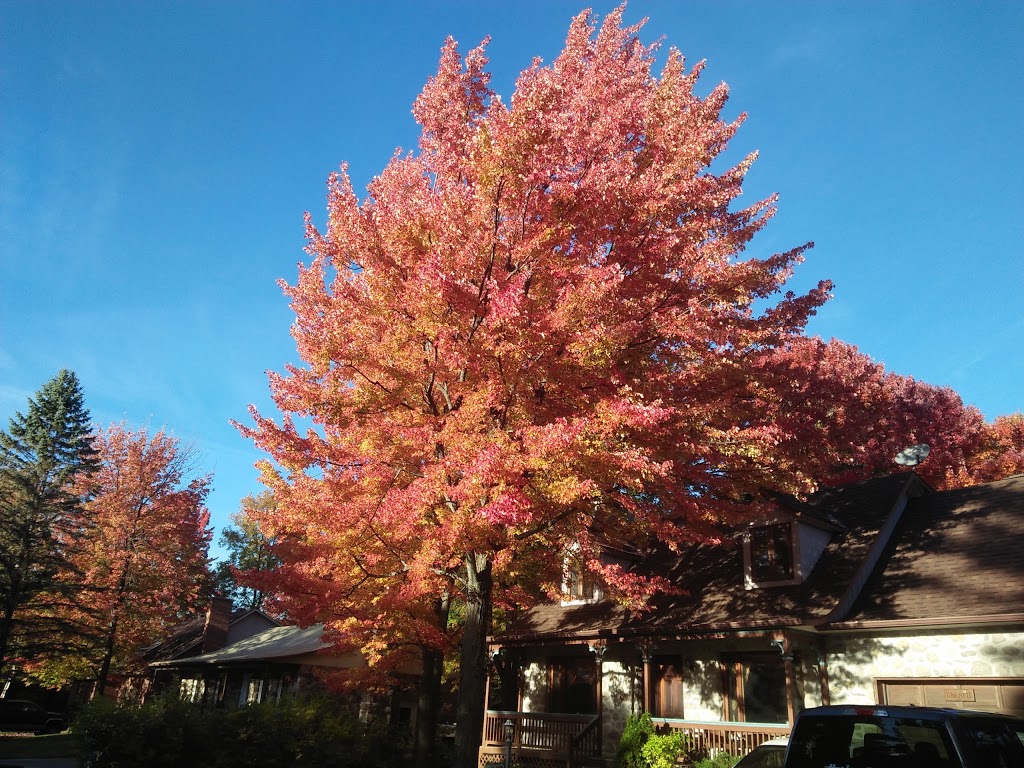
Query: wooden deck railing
{"type": "Point", "coordinates": [535, 730]}
{"type": "Point", "coordinates": [712, 737]}
{"type": "Point", "coordinates": [572, 738]}
{"type": "Point", "coordinates": [554, 739]}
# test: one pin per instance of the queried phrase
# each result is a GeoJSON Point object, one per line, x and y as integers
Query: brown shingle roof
{"type": "Point", "coordinates": [955, 556]}
{"type": "Point", "coordinates": [716, 598]}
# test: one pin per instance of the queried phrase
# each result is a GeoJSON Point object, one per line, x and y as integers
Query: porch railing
{"type": "Point", "coordinates": [558, 738]}
{"type": "Point", "coordinates": [713, 737]}
{"type": "Point", "coordinates": [535, 730]}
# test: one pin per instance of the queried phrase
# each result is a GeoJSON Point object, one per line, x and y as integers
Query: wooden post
{"type": "Point", "coordinates": [647, 697]}
{"type": "Point", "coordinates": [787, 660]}
{"type": "Point", "coordinates": [826, 697]}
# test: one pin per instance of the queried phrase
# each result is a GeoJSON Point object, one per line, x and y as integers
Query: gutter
{"type": "Point", "coordinates": [938, 622]}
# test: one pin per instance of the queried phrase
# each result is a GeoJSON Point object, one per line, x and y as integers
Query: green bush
{"type": "Point", "coordinates": [313, 732]}
{"type": "Point", "coordinates": [664, 750]}
{"type": "Point", "coordinates": [629, 753]}
{"type": "Point", "coordinates": [721, 760]}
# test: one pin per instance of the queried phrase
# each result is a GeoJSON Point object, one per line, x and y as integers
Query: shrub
{"type": "Point", "coordinates": [629, 753]}
{"type": "Point", "coordinates": [721, 760]}
{"type": "Point", "coordinates": [313, 732]}
{"type": "Point", "coordinates": [664, 750]}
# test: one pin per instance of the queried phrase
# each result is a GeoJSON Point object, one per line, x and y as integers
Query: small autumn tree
{"type": "Point", "coordinates": [44, 454]}
{"type": "Point", "coordinates": [251, 557]}
{"type": "Point", "coordinates": [539, 334]}
{"type": "Point", "coordinates": [144, 565]}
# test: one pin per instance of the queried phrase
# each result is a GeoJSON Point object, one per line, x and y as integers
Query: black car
{"type": "Point", "coordinates": [27, 716]}
{"type": "Point", "coordinates": [881, 736]}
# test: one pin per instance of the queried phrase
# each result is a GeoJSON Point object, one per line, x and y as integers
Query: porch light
{"type": "Point", "coordinates": [510, 731]}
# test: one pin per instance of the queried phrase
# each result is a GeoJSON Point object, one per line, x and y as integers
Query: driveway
{"type": "Point", "coordinates": [40, 762]}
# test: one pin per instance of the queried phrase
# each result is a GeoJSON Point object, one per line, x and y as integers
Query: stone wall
{"type": "Point", "coordinates": [854, 664]}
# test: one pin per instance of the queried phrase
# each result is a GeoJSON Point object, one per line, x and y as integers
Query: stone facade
{"type": "Point", "coordinates": [855, 664]}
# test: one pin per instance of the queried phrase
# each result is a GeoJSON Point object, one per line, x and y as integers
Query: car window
{"type": "Point", "coordinates": [845, 742]}
{"type": "Point", "coordinates": [764, 757]}
{"type": "Point", "coordinates": [991, 743]}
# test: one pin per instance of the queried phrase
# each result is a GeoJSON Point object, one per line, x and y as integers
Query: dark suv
{"type": "Point", "coordinates": [904, 737]}
{"type": "Point", "coordinates": [19, 715]}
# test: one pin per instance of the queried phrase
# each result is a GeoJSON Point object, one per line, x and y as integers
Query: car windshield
{"type": "Point", "coordinates": [843, 742]}
{"type": "Point", "coordinates": [765, 756]}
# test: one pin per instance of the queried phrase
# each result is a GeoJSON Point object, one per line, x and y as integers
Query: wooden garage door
{"type": "Point", "coordinates": [983, 694]}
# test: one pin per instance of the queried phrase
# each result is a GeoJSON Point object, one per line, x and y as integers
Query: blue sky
{"type": "Point", "coordinates": [156, 159]}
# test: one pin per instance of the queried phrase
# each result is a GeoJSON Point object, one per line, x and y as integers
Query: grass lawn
{"type": "Point", "coordinates": [55, 745]}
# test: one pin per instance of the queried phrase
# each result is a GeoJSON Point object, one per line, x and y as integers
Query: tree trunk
{"type": "Point", "coordinates": [429, 703]}
{"type": "Point", "coordinates": [6, 625]}
{"type": "Point", "coordinates": [108, 655]}
{"type": "Point", "coordinates": [473, 659]}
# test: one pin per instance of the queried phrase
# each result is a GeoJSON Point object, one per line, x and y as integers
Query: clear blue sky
{"type": "Point", "coordinates": [156, 159]}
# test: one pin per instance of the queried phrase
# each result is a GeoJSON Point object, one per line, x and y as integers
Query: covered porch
{"type": "Point", "coordinates": [547, 740]}
{"type": "Point", "coordinates": [565, 705]}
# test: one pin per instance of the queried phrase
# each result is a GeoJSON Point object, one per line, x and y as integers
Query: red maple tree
{"type": "Point", "coordinates": [143, 565]}
{"type": "Point", "coordinates": [539, 334]}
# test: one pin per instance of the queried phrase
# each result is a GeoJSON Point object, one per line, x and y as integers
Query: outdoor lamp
{"type": "Point", "coordinates": [510, 731]}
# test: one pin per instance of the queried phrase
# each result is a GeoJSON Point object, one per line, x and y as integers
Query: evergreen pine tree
{"type": "Point", "coordinates": [43, 456]}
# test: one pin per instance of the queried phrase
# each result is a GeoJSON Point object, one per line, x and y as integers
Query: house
{"type": "Point", "coordinates": [218, 626]}
{"type": "Point", "coordinates": [281, 661]}
{"type": "Point", "coordinates": [883, 591]}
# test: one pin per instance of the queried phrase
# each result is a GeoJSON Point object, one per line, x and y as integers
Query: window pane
{"type": "Point", "coordinates": [764, 693]}
{"type": "Point", "coordinates": [771, 553]}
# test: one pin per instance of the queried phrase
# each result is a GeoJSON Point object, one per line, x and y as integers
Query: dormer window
{"type": "Point", "coordinates": [771, 556]}
{"type": "Point", "coordinates": [579, 585]}
{"type": "Point", "coordinates": [771, 553]}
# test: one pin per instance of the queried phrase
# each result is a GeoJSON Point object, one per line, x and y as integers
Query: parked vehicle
{"type": "Point", "coordinates": [904, 737]}
{"type": "Point", "coordinates": [27, 716]}
{"type": "Point", "coordinates": [771, 754]}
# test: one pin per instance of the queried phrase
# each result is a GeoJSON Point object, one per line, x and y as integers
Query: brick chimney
{"type": "Point", "coordinates": [218, 619]}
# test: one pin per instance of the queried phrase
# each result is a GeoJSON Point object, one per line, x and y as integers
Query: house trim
{"type": "Point", "coordinates": [992, 620]}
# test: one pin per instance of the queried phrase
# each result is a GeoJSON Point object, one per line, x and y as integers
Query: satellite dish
{"type": "Point", "coordinates": [912, 456]}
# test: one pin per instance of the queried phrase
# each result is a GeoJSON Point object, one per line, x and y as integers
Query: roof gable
{"type": "Point", "coordinates": [712, 577]}
{"type": "Point", "coordinates": [954, 557]}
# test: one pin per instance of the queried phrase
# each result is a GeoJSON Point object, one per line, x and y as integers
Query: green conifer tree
{"type": "Point", "coordinates": [43, 456]}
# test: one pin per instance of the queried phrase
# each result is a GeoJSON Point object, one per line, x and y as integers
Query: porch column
{"type": "Point", "coordinates": [826, 698]}
{"type": "Point", "coordinates": [598, 650]}
{"type": "Point", "coordinates": [646, 657]}
{"type": "Point", "coordinates": [787, 661]}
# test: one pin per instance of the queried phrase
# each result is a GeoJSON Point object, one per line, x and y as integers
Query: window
{"type": "Point", "coordinates": [579, 584]}
{"type": "Point", "coordinates": [755, 689]}
{"type": "Point", "coordinates": [771, 553]}
{"type": "Point", "coordinates": [572, 685]}
{"type": "Point", "coordinates": [252, 690]}
{"type": "Point", "coordinates": [192, 689]}
{"type": "Point", "coordinates": [668, 687]}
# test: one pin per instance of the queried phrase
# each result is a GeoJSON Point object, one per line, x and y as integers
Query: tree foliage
{"type": "Point", "coordinates": [842, 416]}
{"type": "Point", "coordinates": [43, 455]}
{"type": "Point", "coordinates": [251, 558]}
{"type": "Point", "coordinates": [144, 564]}
{"type": "Point", "coordinates": [539, 334]}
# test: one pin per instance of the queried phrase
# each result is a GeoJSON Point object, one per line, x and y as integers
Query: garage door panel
{"type": "Point", "coordinates": [986, 695]}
